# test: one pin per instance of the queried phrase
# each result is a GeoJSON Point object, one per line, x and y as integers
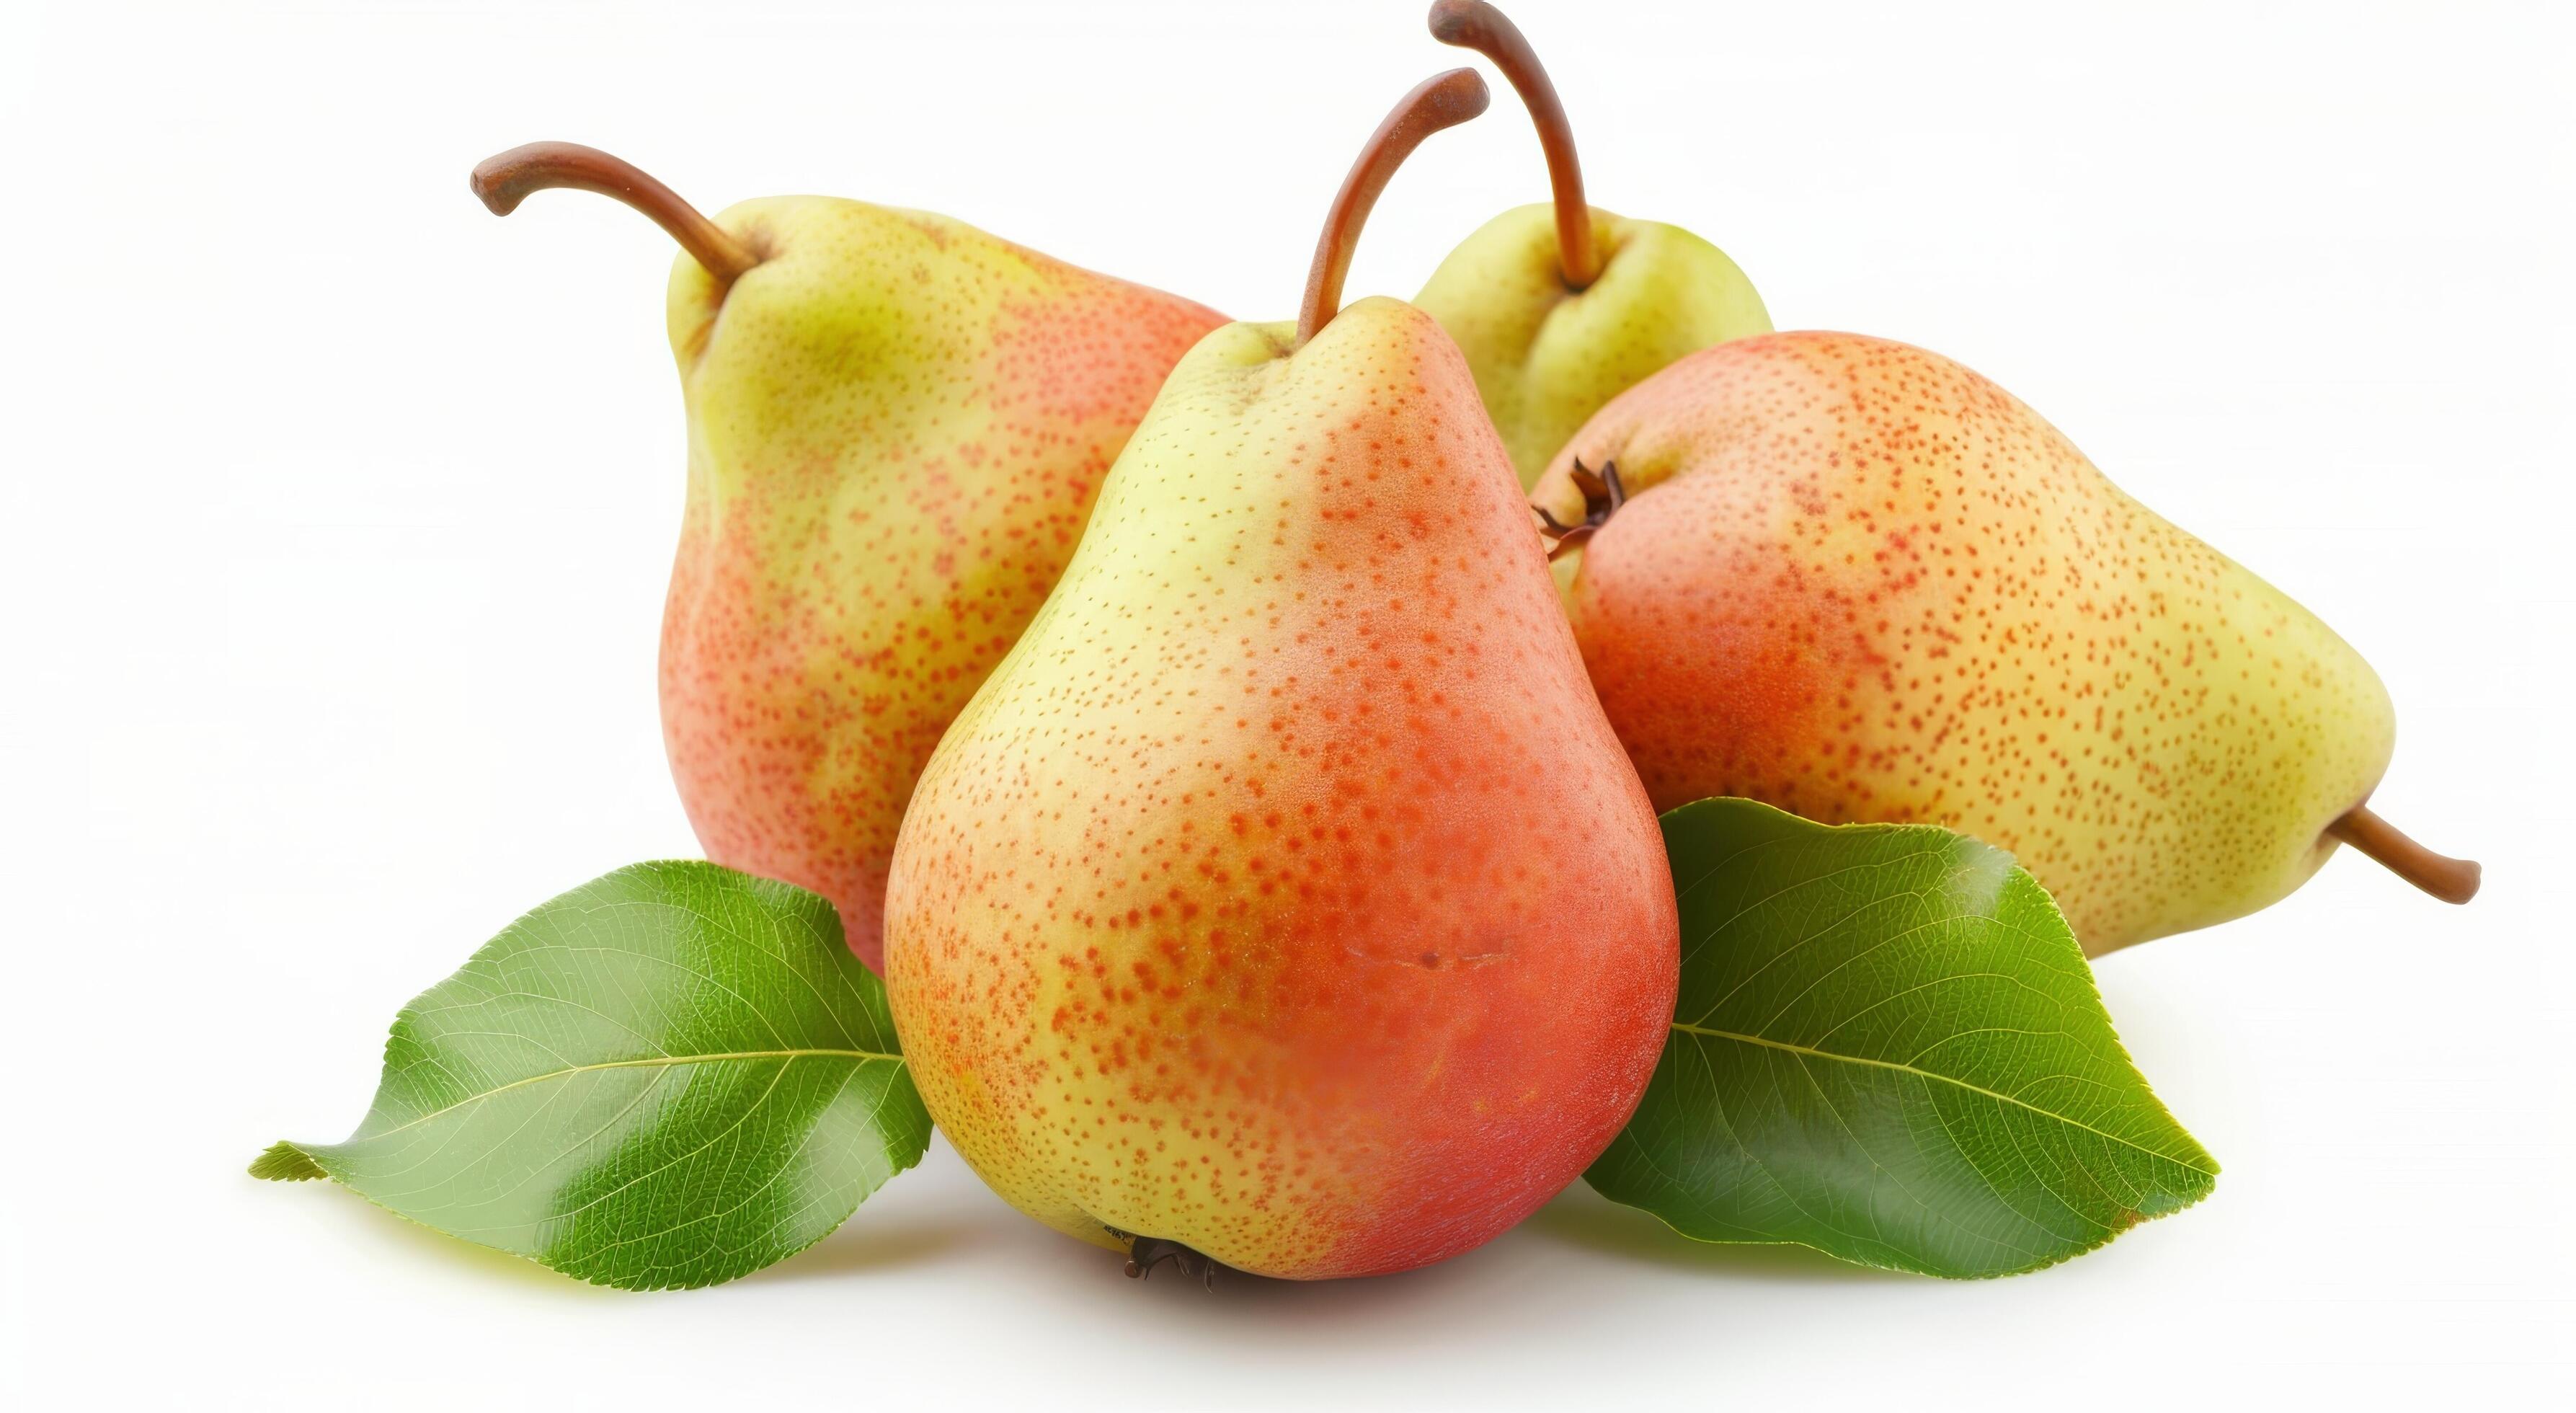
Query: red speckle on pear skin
{"type": "Point", "coordinates": [1288, 896]}
{"type": "Point", "coordinates": [840, 592]}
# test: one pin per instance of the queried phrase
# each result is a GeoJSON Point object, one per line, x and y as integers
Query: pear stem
{"type": "Point", "coordinates": [1441, 101]}
{"type": "Point", "coordinates": [2449, 879]}
{"type": "Point", "coordinates": [1473, 24]}
{"type": "Point", "coordinates": [504, 181]}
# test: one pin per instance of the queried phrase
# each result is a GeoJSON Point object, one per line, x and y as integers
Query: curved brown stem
{"type": "Point", "coordinates": [504, 181]}
{"type": "Point", "coordinates": [1473, 24]}
{"type": "Point", "coordinates": [2449, 879]}
{"type": "Point", "coordinates": [1441, 101]}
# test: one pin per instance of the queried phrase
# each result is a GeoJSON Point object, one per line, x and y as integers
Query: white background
{"type": "Point", "coordinates": [337, 514]}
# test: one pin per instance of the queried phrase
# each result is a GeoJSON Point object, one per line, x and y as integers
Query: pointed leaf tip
{"type": "Point", "coordinates": [284, 1162]}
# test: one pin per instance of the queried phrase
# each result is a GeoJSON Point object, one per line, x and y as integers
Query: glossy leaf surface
{"type": "Point", "coordinates": [670, 1076]}
{"type": "Point", "coordinates": [1889, 1047]}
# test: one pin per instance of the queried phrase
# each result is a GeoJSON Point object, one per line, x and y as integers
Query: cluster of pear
{"type": "Point", "coordinates": [1257, 839]}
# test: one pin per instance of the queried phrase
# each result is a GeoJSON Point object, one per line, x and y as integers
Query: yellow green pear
{"type": "Point", "coordinates": [1283, 899]}
{"type": "Point", "coordinates": [1854, 580]}
{"type": "Point", "coordinates": [1561, 307]}
{"type": "Point", "coordinates": [896, 425]}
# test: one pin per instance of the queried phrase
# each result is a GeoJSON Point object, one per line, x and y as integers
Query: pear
{"type": "Point", "coordinates": [1855, 580]}
{"type": "Point", "coordinates": [1561, 307]}
{"type": "Point", "coordinates": [1284, 898]}
{"type": "Point", "coordinates": [896, 427]}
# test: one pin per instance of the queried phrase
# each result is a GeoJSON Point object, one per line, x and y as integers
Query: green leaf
{"type": "Point", "coordinates": [1889, 1048]}
{"type": "Point", "coordinates": [670, 1076]}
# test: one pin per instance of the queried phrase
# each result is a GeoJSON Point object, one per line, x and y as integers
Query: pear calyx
{"type": "Point", "coordinates": [2449, 879]}
{"type": "Point", "coordinates": [503, 181]}
{"type": "Point", "coordinates": [1473, 24]}
{"type": "Point", "coordinates": [1144, 1253]}
{"type": "Point", "coordinates": [1441, 101]}
{"type": "Point", "coordinates": [1603, 494]}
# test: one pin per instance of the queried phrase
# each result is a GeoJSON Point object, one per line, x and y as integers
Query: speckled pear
{"type": "Point", "coordinates": [896, 426]}
{"type": "Point", "coordinates": [1855, 580]}
{"type": "Point", "coordinates": [1284, 898]}
{"type": "Point", "coordinates": [1561, 307]}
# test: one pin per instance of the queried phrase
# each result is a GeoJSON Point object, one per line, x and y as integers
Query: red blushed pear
{"type": "Point", "coordinates": [1284, 898]}
{"type": "Point", "coordinates": [1856, 581]}
{"type": "Point", "coordinates": [897, 424]}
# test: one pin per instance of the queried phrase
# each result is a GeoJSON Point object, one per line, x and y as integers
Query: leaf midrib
{"type": "Point", "coordinates": [1996, 1095]}
{"type": "Point", "coordinates": [647, 1062]}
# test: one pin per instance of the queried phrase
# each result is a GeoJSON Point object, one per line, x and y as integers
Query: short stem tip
{"type": "Point", "coordinates": [1473, 24]}
{"type": "Point", "coordinates": [2449, 879]}
{"type": "Point", "coordinates": [505, 180]}
{"type": "Point", "coordinates": [1441, 101]}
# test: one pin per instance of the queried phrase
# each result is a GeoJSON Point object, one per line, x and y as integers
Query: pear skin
{"type": "Point", "coordinates": [1285, 894]}
{"type": "Point", "coordinates": [896, 427]}
{"type": "Point", "coordinates": [1855, 580]}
